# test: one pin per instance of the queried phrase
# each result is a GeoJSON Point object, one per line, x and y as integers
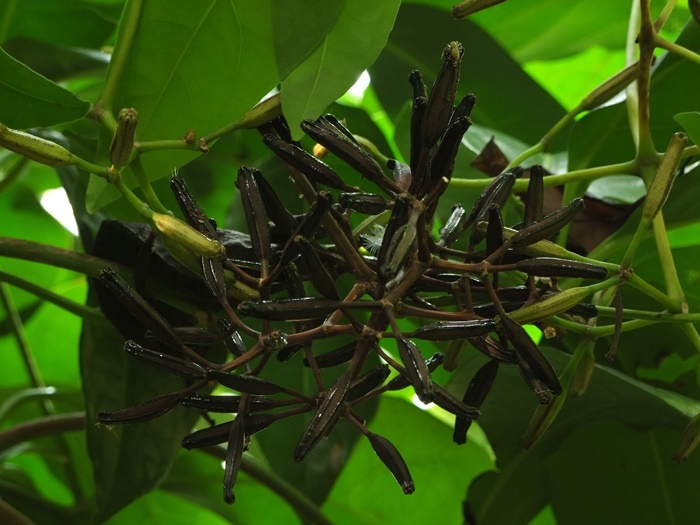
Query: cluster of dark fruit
{"type": "Point", "coordinates": [411, 274]}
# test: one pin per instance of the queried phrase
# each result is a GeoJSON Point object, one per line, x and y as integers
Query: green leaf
{"type": "Point", "coordinates": [690, 121]}
{"type": "Point", "coordinates": [53, 61]}
{"type": "Point", "coordinates": [510, 102]}
{"type": "Point", "coordinates": [338, 61]}
{"type": "Point", "coordinates": [161, 508]}
{"type": "Point", "coordinates": [192, 66]}
{"type": "Point", "coordinates": [641, 484]}
{"type": "Point", "coordinates": [549, 29]}
{"type": "Point", "coordinates": [29, 100]}
{"type": "Point", "coordinates": [80, 23]}
{"type": "Point", "coordinates": [299, 28]}
{"type": "Point", "coordinates": [613, 401]}
{"type": "Point", "coordinates": [128, 461]}
{"type": "Point", "coordinates": [366, 493]}
{"type": "Point", "coordinates": [197, 478]}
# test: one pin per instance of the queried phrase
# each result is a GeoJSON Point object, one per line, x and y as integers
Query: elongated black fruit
{"type": "Point", "coordinates": [213, 273]}
{"type": "Point", "coordinates": [417, 372]}
{"type": "Point", "coordinates": [276, 211]}
{"type": "Point", "coordinates": [495, 193]}
{"type": "Point", "coordinates": [400, 382]}
{"type": "Point", "coordinates": [151, 409]}
{"type": "Point", "coordinates": [419, 155]}
{"type": "Point", "coordinates": [464, 108]}
{"type": "Point", "coordinates": [494, 231]}
{"type": "Point", "coordinates": [454, 226]}
{"type": "Point", "coordinates": [255, 213]}
{"type": "Point", "coordinates": [368, 382]}
{"type": "Point", "coordinates": [448, 330]}
{"type": "Point", "coordinates": [492, 348]}
{"type": "Point", "coordinates": [350, 152]}
{"type": "Point", "coordinates": [234, 451]}
{"type": "Point", "coordinates": [234, 342]}
{"type": "Point", "coordinates": [534, 200]}
{"type": "Point", "coordinates": [300, 309]}
{"type": "Point", "coordinates": [534, 381]}
{"type": "Point", "coordinates": [318, 272]}
{"type": "Point", "coordinates": [445, 400]}
{"type": "Point", "coordinates": [528, 351]}
{"type": "Point", "coordinates": [553, 267]}
{"type": "Point", "coordinates": [443, 162]}
{"type": "Point", "coordinates": [315, 169]}
{"type": "Point", "coordinates": [476, 393]}
{"type": "Point", "coordinates": [244, 383]}
{"type": "Point", "coordinates": [229, 404]}
{"type": "Point", "coordinates": [140, 308]}
{"type": "Point", "coordinates": [369, 203]}
{"type": "Point", "coordinates": [338, 125]}
{"type": "Point", "coordinates": [397, 242]}
{"type": "Point", "coordinates": [548, 226]}
{"type": "Point", "coordinates": [218, 434]}
{"type": "Point", "coordinates": [335, 357]}
{"type": "Point", "coordinates": [325, 416]}
{"type": "Point", "coordinates": [392, 459]}
{"type": "Point", "coordinates": [442, 96]}
{"type": "Point", "coordinates": [190, 208]}
{"type": "Point", "coordinates": [169, 363]}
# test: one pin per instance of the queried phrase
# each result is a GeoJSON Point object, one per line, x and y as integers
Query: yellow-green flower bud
{"type": "Point", "coordinates": [550, 306]}
{"type": "Point", "coordinates": [123, 141]}
{"type": "Point", "coordinates": [582, 373]}
{"type": "Point", "coordinates": [660, 186]}
{"type": "Point", "coordinates": [263, 112]}
{"type": "Point", "coordinates": [35, 148]}
{"type": "Point", "coordinates": [188, 237]}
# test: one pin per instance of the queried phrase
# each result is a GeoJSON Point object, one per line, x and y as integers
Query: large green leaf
{"type": "Point", "coordinates": [300, 26]}
{"type": "Point", "coordinates": [340, 59]}
{"type": "Point", "coordinates": [366, 492]}
{"type": "Point", "coordinates": [613, 400]}
{"type": "Point", "coordinates": [128, 461]}
{"type": "Point", "coordinates": [192, 66]}
{"type": "Point", "coordinates": [161, 508]}
{"type": "Point", "coordinates": [81, 23]}
{"type": "Point", "coordinates": [508, 99]}
{"type": "Point", "coordinates": [549, 29]}
{"type": "Point", "coordinates": [29, 100]}
{"type": "Point", "coordinates": [690, 121]}
{"type": "Point", "coordinates": [53, 61]}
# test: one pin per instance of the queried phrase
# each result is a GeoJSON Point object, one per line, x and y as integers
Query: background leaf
{"type": "Point", "coordinates": [128, 461]}
{"type": "Point", "coordinates": [338, 61]}
{"type": "Point", "coordinates": [613, 400]}
{"type": "Point", "coordinates": [28, 100]}
{"type": "Point", "coordinates": [367, 493]}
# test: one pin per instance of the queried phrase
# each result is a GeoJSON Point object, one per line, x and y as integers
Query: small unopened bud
{"type": "Point", "coordinates": [663, 180]}
{"type": "Point", "coordinates": [123, 141]}
{"type": "Point", "coordinates": [35, 148]}
{"type": "Point", "coordinates": [550, 306]}
{"type": "Point", "coordinates": [583, 372]}
{"type": "Point", "coordinates": [188, 237]}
